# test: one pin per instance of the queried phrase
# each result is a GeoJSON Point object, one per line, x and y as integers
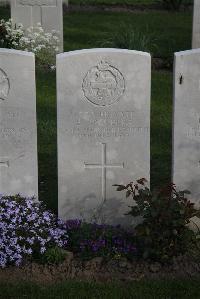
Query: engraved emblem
{"type": "Point", "coordinates": [103, 85]}
{"type": "Point", "coordinates": [4, 85]}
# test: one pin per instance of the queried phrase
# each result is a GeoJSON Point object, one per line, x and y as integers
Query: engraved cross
{"type": "Point", "coordinates": [4, 162]}
{"type": "Point", "coordinates": [103, 166]}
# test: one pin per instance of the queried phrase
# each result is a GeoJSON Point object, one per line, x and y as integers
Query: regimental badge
{"type": "Point", "coordinates": [103, 85]}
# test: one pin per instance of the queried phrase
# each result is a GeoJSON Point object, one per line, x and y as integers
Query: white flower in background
{"type": "Point", "coordinates": [53, 67]}
{"type": "Point", "coordinates": [45, 45]}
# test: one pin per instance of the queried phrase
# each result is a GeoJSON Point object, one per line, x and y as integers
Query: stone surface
{"type": "Point", "coordinates": [31, 12]}
{"type": "Point", "coordinates": [196, 25]}
{"type": "Point", "coordinates": [103, 131]}
{"type": "Point", "coordinates": [18, 132]}
{"type": "Point", "coordinates": [186, 135]}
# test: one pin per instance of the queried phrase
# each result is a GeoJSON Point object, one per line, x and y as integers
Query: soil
{"type": "Point", "coordinates": [99, 270]}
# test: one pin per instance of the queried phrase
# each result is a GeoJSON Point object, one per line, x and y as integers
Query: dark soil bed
{"type": "Point", "coordinates": [99, 270]}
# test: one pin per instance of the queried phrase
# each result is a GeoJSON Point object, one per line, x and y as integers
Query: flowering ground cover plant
{"type": "Point", "coordinates": [45, 45]}
{"type": "Point", "coordinates": [88, 240]}
{"type": "Point", "coordinates": [27, 230]}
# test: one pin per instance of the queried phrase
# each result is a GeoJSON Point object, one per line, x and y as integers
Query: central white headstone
{"type": "Point", "coordinates": [49, 13]}
{"type": "Point", "coordinates": [18, 131]}
{"type": "Point", "coordinates": [103, 130]}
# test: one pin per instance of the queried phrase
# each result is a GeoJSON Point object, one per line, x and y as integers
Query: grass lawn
{"type": "Point", "coordinates": [172, 31]}
{"type": "Point", "coordinates": [81, 290]}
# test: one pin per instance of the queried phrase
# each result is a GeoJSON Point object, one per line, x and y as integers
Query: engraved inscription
{"type": "Point", "coordinates": [103, 166]}
{"type": "Point", "coordinates": [193, 129]}
{"type": "Point", "coordinates": [4, 85]}
{"type": "Point", "coordinates": [105, 124]}
{"type": "Point", "coordinates": [103, 85]}
{"type": "Point", "coordinates": [15, 134]}
{"type": "Point", "coordinates": [37, 2]}
{"type": "Point", "coordinates": [7, 162]}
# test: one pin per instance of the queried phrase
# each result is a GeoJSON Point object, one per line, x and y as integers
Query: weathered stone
{"type": "Point", "coordinates": [196, 25]}
{"type": "Point", "coordinates": [186, 123]}
{"type": "Point", "coordinates": [48, 13]}
{"type": "Point", "coordinates": [103, 131]}
{"type": "Point", "coordinates": [18, 132]}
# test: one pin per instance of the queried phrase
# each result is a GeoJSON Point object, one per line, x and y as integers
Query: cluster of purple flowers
{"type": "Point", "coordinates": [91, 239]}
{"type": "Point", "coordinates": [27, 229]}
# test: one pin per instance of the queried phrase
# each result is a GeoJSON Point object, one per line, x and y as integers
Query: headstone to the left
{"type": "Point", "coordinates": [18, 131]}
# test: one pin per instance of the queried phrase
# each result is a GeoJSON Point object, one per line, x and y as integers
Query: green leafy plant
{"type": "Point", "coordinates": [54, 255]}
{"type": "Point", "coordinates": [163, 233]}
{"type": "Point", "coordinates": [128, 37]}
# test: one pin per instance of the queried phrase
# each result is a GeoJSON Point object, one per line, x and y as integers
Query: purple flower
{"type": "Point", "coordinates": [26, 228]}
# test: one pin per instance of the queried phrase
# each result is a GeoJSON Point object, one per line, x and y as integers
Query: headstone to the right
{"type": "Point", "coordinates": [49, 13]}
{"type": "Point", "coordinates": [196, 25]}
{"type": "Point", "coordinates": [186, 123]}
{"type": "Point", "coordinates": [18, 131]}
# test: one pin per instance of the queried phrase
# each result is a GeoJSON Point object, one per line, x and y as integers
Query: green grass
{"type": "Point", "coordinates": [79, 290]}
{"type": "Point", "coordinates": [47, 150]}
{"type": "Point", "coordinates": [90, 30]}
{"type": "Point", "coordinates": [161, 128]}
{"type": "Point", "coordinates": [4, 13]}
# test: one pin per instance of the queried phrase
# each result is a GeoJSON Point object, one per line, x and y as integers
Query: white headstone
{"type": "Point", "coordinates": [186, 122]}
{"type": "Point", "coordinates": [196, 25]}
{"type": "Point", "coordinates": [18, 132]}
{"type": "Point", "coordinates": [103, 131]}
{"type": "Point", "coordinates": [49, 13]}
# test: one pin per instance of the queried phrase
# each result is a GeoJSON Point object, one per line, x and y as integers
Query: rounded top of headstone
{"type": "Point", "coordinates": [102, 50]}
{"type": "Point", "coordinates": [16, 52]}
